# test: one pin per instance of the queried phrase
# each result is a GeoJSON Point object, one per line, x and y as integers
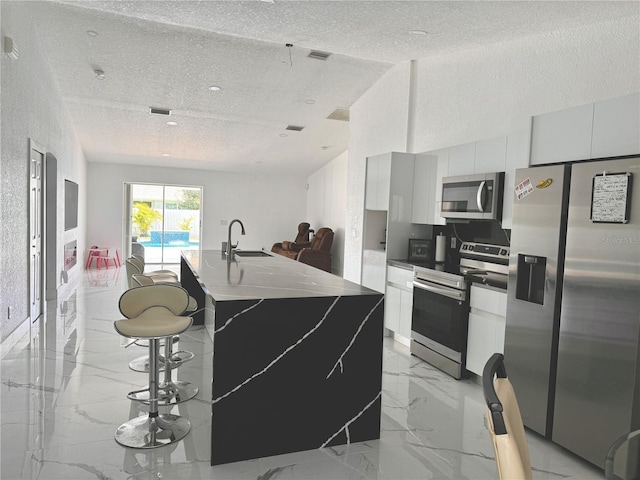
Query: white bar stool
{"type": "Point", "coordinates": [153, 312]}
{"type": "Point", "coordinates": [170, 391]}
{"type": "Point", "coordinates": [134, 268]}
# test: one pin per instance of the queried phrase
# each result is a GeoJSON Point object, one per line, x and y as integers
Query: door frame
{"type": "Point", "coordinates": [127, 199]}
{"type": "Point", "coordinates": [34, 227]}
{"type": "Point", "coordinates": [50, 239]}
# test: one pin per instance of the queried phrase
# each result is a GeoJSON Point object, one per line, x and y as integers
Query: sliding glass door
{"type": "Point", "coordinates": [162, 221]}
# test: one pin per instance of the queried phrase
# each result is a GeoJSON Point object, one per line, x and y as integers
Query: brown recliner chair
{"type": "Point", "coordinates": [318, 254]}
{"type": "Point", "coordinates": [291, 249]}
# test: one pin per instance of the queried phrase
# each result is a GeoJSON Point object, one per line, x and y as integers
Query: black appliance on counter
{"type": "Point", "coordinates": [441, 304]}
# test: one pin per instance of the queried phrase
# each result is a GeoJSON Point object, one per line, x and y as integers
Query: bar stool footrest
{"type": "Point", "coordinates": [172, 394]}
{"type": "Point", "coordinates": [180, 357]}
{"type": "Point", "coordinates": [141, 364]}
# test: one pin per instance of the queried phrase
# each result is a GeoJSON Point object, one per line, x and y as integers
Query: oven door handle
{"type": "Point", "coordinates": [459, 295]}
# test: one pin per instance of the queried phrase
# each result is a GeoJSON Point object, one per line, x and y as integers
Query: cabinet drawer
{"type": "Point", "coordinates": [489, 300]}
{"type": "Point", "coordinates": [400, 276]}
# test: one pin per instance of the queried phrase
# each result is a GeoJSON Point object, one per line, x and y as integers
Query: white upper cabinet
{"type": "Point", "coordinates": [490, 155]}
{"type": "Point", "coordinates": [462, 159]}
{"type": "Point", "coordinates": [616, 127]}
{"type": "Point", "coordinates": [429, 169]}
{"type": "Point", "coordinates": [378, 181]}
{"type": "Point", "coordinates": [562, 136]}
{"type": "Point", "coordinates": [608, 128]}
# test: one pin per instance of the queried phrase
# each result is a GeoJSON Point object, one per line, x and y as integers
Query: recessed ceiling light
{"type": "Point", "coordinates": [311, 101]}
{"type": "Point", "coordinates": [92, 33]}
{"type": "Point", "coordinates": [284, 135]}
{"type": "Point", "coordinates": [99, 74]}
{"type": "Point", "coordinates": [214, 88]}
{"type": "Point", "coordinates": [418, 32]}
{"type": "Point", "coordinates": [172, 124]}
{"type": "Point", "coordinates": [166, 154]}
{"type": "Point", "coordinates": [268, 1]}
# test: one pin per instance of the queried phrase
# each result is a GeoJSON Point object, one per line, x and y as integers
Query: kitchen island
{"type": "Point", "coordinates": [297, 354]}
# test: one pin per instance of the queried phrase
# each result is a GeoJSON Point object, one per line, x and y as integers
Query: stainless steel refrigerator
{"type": "Point", "coordinates": [573, 309]}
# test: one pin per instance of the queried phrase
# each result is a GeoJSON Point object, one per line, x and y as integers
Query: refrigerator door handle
{"type": "Point", "coordinates": [480, 196]}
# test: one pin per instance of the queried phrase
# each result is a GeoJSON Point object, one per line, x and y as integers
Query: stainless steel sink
{"type": "Point", "coordinates": [251, 253]}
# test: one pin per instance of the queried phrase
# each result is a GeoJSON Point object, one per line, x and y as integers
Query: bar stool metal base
{"type": "Point", "coordinates": [168, 394]}
{"type": "Point", "coordinates": [152, 432]}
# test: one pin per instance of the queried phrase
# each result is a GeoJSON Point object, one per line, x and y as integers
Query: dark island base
{"type": "Point", "coordinates": [191, 284]}
{"type": "Point", "coordinates": [295, 374]}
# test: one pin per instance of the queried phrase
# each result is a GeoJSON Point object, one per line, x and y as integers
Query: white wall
{"type": "Point", "coordinates": [482, 93]}
{"type": "Point", "coordinates": [494, 90]}
{"type": "Point", "coordinates": [31, 108]}
{"type": "Point", "coordinates": [326, 205]}
{"type": "Point", "coordinates": [270, 207]}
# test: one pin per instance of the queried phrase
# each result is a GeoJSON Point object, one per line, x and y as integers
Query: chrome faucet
{"type": "Point", "coordinates": [231, 248]}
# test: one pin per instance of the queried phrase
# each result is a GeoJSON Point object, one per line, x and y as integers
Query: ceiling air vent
{"type": "Point", "coordinates": [318, 55]}
{"type": "Point", "coordinates": [295, 128]}
{"type": "Point", "coordinates": [159, 111]}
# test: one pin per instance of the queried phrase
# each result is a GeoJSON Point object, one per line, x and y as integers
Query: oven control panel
{"type": "Point", "coordinates": [499, 253]}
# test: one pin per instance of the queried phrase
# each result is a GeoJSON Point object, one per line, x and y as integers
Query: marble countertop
{"type": "Point", "coordinates": [275, 276]}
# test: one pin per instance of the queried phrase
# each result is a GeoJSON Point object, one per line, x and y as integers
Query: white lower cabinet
{"type": "Point", "coordinates": [392, 301]}
{"type": "Point", "coordinates": [398, 301]}
{"type": "Point", "coordinates": [373, 269]}
{"type": "Point", "coordinates": [487, 320]}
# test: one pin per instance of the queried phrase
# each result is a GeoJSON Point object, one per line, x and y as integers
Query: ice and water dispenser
{"type": "Point", "coordinates": [530, 278]}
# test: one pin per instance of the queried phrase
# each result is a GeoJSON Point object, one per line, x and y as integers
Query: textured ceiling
{"type": "Point", "coordinates": [167, 53]}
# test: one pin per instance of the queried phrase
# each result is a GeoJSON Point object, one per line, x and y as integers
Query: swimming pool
{"type": "Point", "coordinates": [174, 243]}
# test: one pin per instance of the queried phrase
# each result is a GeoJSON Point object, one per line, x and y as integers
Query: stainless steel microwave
{"type": "Point", "coordinates": [473, 197]}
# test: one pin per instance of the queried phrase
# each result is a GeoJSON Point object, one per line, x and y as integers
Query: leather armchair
{"type": "Point", "coordinates": [291, 249]}
{"type": "Point", "coordinates": [318, 254]}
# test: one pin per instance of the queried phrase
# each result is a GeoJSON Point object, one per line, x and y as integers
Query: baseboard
{"type": "Point", "coordinates": [69, 284]}
{"type": "Point", "coordinates": [477, 379]}
{"type": "Point", "coordinates": [20, 336]}
{"type": "Point", "coordinates": [402, 339]}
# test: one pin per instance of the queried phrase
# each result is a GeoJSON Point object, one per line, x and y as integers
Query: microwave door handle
{"type": "Point", "coordinates": [480, 196]}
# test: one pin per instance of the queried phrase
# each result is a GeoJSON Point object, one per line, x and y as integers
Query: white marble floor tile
{"type": "Point", "coordinates": [63, 394]}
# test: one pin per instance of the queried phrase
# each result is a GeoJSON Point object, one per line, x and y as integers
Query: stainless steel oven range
{"type": "Point", "coordinates": [441, 304]}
